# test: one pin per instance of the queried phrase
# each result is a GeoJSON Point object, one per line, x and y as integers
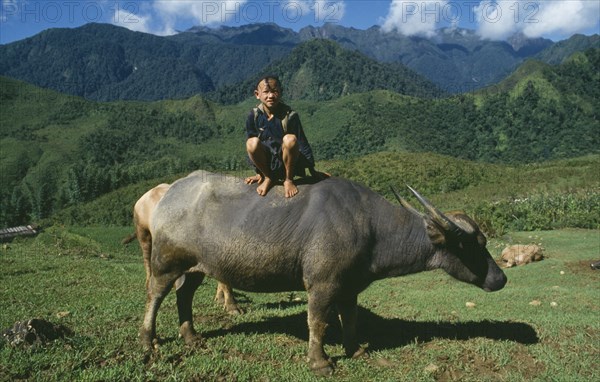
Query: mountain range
{"type": "Point", "coordinates": [360, 93]}
{"type": "Point", "coordinates": [58, 150]}
{"type": "Point", "coordinates": [107, 62]}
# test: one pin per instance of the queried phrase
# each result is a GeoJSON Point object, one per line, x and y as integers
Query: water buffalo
{"type": "Point", "coordinates": [333, 239]}
{"type": "Point", "coordinates": [142, 213]}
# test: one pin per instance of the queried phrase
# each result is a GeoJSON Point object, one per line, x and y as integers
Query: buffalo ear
{"type": "Point", "coordinates": [435, 233]}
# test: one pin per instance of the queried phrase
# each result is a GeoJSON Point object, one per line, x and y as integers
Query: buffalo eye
{"type": "Point", "coordinates": [468, 246]}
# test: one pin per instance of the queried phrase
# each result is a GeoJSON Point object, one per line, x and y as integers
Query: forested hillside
{"type": "Point", "coordinates": [106, 62]}
{"type": "Point", "coordinates": [59, 150]}
{"type": "Point", "coordinates": [321, 70]}
{"type": "Point", "coordinates": [558, 52]}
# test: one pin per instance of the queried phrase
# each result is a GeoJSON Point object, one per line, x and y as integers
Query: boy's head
{"type": "Point", "coordinates": [268, 91]}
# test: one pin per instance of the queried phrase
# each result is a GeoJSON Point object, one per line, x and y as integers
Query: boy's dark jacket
{"type": "Point", "coordinates": [270, 133]}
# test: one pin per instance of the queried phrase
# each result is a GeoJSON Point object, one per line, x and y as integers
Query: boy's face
{"type": "Point", "coordinates": [268, 92]}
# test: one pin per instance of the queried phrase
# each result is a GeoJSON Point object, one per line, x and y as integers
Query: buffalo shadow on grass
{"type": "Point", "coordinates": [388, 333]}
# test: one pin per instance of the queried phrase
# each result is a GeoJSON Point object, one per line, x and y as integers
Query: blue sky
{"type": "Point", "coordinates": [492, 19]}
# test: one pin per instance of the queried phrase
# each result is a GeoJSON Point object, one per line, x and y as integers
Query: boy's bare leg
{"type": "Point", "coordinates": [289, 152]}
{"type": "Point", "coordinates": [257, 154]}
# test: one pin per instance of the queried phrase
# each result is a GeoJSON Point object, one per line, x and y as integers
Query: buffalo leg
{"type": "Point", "coordinates": [225, 296]}
{"type": "Point", "coordinates": [145, 241]}
{"type": "Point", "coordinates": [347, 312]}
{"type": "Point", "coordinates": [186, 287]}
{"type": "Point", "coordinates": [318, 308]}
{"type": "Point", "coordinates": [158, 288]}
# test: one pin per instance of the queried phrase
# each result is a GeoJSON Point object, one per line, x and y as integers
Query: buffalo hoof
{"type": "Point", "coordinates": [322, 368]}
{"type": "Point", "coordinates": [149, 342]}
{"type": "Point", "coordinates": [147, 357]}
{"type": "Point", "coordinates": [189, 334]}
{"type": "Point", "coordinates": [193, 340]}
{"type": "Point", "coordinates": [234, 310]}
{"type": "Point", "coordinates": [360, 353]}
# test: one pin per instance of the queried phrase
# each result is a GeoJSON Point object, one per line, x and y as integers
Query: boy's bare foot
{"type": "Point", "coordinates": [265, 186]}
{"type": "Point", "coordinates": [289, 188]}
{"type": "Point", "coordinates": [254, 179]}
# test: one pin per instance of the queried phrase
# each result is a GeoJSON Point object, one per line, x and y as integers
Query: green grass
{"type": "Point", "coordinates": [417, 327]}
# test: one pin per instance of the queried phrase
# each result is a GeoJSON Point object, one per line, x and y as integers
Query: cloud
{"type": "Point", "coordinates": [564, 17]}
{"type": "Point", "coordinates": [162, 16]}
{"type": "Point", "coordinates": [140, 17]}
{"type": "Point", "coordinates": [133, 21]}
{"type": "Point", "coordinates": [414, 17]}
{"type": "Point", "coordinates": [495, 19]}
{"type": "Point", "coordinates": [203, 12]}
{"type": "Point", "coordinates": [500, 19]}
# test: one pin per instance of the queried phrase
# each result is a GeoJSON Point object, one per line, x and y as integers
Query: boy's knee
{"type": "Point", "coordinates": [252, 144]}
{"type": "Point", "coordinates": [289, 141]}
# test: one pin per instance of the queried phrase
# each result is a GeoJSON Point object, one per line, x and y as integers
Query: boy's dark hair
{"type": "Point", "coordinates": [267, 78]}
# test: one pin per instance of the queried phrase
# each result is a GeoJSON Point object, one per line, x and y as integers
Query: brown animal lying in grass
{"type": "Point", "coordinates": [520, 254]}
{"type": "Point", "coordinates": [142, 213]}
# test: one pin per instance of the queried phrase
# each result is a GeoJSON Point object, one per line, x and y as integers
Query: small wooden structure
{"type": "Point", "coordinates": [7, 234]}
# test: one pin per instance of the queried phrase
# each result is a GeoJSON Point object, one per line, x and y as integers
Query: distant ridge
{"type": "Point", "coordinates": [107, 62]}
{"type": "Point", "coordinates": [320, 70]}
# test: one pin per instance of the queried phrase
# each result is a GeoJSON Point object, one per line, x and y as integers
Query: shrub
{"type": "Point", "coordinates": [543, 211]}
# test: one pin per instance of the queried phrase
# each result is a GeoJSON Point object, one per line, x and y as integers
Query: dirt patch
{"type": "Point", "coordinates": [449, 375]}
{"type": "Point", "coordinates": [222, 320]}
{"type": "Point", "coordinates": [525, 364]}
{"type": "Point", "coordinates": [582, 267]}
{"type": "Point", "coordinates": [233, 354]}
{"type": "Point", "coordinates": [486, 368]}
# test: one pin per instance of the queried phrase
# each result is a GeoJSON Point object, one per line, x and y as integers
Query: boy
{"type": "Point", "coordinates": [276, 143]}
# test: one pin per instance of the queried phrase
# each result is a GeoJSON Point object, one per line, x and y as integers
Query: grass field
{"type": "Point", "coordinates": [417, 328]}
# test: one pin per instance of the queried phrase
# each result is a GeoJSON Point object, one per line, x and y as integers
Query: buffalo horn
{"type": "Point", "coordinates": [404, 203]}
{"type": "Point", "coordinates": [441, 219]}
